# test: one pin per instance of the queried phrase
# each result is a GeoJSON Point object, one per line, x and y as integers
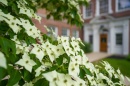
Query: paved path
{"type": "Point", "coordinates": [95, 56]}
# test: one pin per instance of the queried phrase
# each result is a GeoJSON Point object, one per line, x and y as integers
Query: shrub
{"type": "Point", "coordinates": [128, 57]}
{"type": "Point", "coordinates": [87, 48]}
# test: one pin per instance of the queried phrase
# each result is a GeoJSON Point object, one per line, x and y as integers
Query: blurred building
{"type": "Point", "coordinates": [107, 26]}
{"type": "Point", "coordinates": [61, 28]}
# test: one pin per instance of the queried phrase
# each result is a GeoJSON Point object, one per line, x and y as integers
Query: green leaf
{"type": "Point", "coordinates": [3, 82]}
{"type": "Point", "coordinates": [42, 82]}
{"type": "Point", "coordinates": [15, 76]}
{"type": "Point", "coordinates": [82, 73]}
{"type": "Point", "coordinates": [87, 71]}
{"type": "Point", "coordinates": [28, 76]}
{"type": "Point", "coordinates": [3, 73]}
{"type": "Point", "coordinates": [59, 60]}
{"type": "Point", "coordinates": [8, 48]}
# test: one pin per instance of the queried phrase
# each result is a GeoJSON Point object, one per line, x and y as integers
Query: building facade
{"type": "Point", "coordinates": [107, 26]}
{"type": "Point", "coordinates": [61, 28]}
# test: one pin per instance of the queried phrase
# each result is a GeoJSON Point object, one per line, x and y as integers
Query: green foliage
{"type": "Point", "coordinates": [64, 9]}
{"type": "Point", "coordinates": [87, 48]}
{"type": "Point", "coordinates": [128, 57]}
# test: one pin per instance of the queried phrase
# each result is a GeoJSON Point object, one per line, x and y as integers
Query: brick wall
{"type": "Point", "coordinates": [58, 24]}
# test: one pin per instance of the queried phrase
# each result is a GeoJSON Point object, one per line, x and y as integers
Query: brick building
{"type": "Point", "coordinates": [107, 26]}
{"type": "Point", "coordinates": [61, 28]}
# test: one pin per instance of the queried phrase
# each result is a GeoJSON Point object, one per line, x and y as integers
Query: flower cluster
{"type": "Point", "coordinates": [33, 58]}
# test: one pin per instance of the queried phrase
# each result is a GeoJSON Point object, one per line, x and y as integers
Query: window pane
{"type": "Point", "coordinates": [103, 6]}
{"type": "Point", "coordinates": [123, 4]}
{"type": "Point", "coordinates": [88, 10]}
{"type": "Point", "coordinates": [91, 39]}
{"type": "Point", "coordinates": [64, 32]}
{"type": "Point", "coordinates": [75, 33]}
{"type": "Point", "coordinates": [119, 38]}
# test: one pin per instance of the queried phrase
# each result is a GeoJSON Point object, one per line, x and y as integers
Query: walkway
{"type": "Point", "coordinates": [94, 56]}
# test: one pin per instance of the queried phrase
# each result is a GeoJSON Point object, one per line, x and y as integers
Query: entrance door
{"type": "Point", "coordinates": [103, 42]}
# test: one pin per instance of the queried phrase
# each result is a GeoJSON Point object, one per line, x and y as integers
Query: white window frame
{"type": "Point", "coordinates": [117, 10]}
{"type": "Point", "coordinates": [77, 33]}
{"type": "Point", "coordinates": [119, 40]}
{"type": "Point", "coordinates": [97, 13]}
{"type": "Point", "coordinates": [84, 12]}
{"type": "Point", "coordinates": [68, 32]}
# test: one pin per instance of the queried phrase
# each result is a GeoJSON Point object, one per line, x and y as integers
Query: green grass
{"type": "Point", "coordinates": [122, 64]}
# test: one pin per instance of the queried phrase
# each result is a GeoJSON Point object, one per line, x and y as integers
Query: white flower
{"type": "Point", "coordinates": [28, 84]}
{"type": "Point", "coordinates": [91, 80]}
{"type": "Point", "coordinates": [87, 64]}
{"type": "Point", "coordinates": [120, 75]}
{"type": "Point", "coordinates": [80, 41]}
{"type": "Point", "coordinates": [4, 2]}
{"type": "Point", "coordinates": [64, 40]}
{"type": "Point", "coordinates": [58, 50]}
{"type": "Point", "coordinates": [12, 21]}
{"type": "Point", "coordinates": [2, 60]}
{"type": "Point", "coordinates": [108, 68]}
{"type": "Point", "coordinates": [48, 48]}
{"type": "Point", "coordinates": [77, 59]}
{"type": "Point", "coordinates": [39, 70]}
{"type": "Point", "coordinates": [52, 77]}
{"type": "Point", "coordinates": [13, 24]}
{"type": "Point", "coordinates": [37, 50]}
{"type": "Point", "coordinates": [65, 80]}
{"type": "Point", "coordinates": [69, 51]}
{"type": "Point", "coordinates": [79, 82]}
{"type": "Point", "coordinates": [73, 69]}
{"type": "Point", "coordinates": [75, 45]}
{"type": "Point", "coordinates": [26, 62]}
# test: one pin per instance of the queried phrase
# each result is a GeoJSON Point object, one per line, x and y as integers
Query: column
{"type": "Point", "coordinates": [110, 6]}
{"type": "Point", "coordinates": [97, 8]}
{"type": "Point", "coordinates": [125, 37]}
{"type": "Point", "coordinates": [96, 44]}
{"type": "Point", "coordinates": [112, 39]}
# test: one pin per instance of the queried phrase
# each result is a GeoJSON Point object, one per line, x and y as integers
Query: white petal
{"type": "Point", "coordinates": [4, 2]}
{"type": "Point", "coordinates": [2, 60]}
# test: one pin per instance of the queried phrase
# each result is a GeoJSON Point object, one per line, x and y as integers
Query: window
{"type": "Point", "coordinates": [65, 32]}
{"type": "Point", "coordinates": [123, 4]}
{"type": "Point", "coordinates": [52, 29]}
{"type": "Point", "coordinates": [75, 33]}
{"type": "Point", "coordinates": [103, 4]}
{"type": "Point", "coordinates": [91, 39]}
{"type": "Point", "coordinates": [88, 10]}
{"type": "Point", "coordinates": [119, 39]}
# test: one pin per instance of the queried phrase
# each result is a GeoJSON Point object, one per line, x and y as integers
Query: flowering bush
{"type": "Point", "coordinates": [28, 58]}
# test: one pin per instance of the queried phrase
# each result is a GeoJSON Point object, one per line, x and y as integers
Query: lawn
{"type": "Point", "coordinates": [122, 64]}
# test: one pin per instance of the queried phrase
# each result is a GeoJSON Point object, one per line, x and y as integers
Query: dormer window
{"type": "Point", "coordinates": [103, 6]}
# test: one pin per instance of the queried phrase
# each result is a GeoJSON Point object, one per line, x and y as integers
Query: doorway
{"type": "Point", "coordinates": [103, 42]}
